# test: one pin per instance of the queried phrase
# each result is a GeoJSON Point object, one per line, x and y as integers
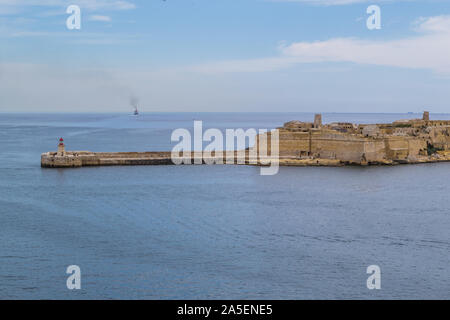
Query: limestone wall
{"type": "Point", "coordinates": [439, 137]}
{"type": "Point", "coordinates": [334, 145]}
{"type": "Point", "coordinates": [348, 148]}
{"type": "Point", "coordinates": [51, 160]}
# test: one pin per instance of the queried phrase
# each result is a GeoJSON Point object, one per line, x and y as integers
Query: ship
{"type": "Point", "coordinates": [134, 104]}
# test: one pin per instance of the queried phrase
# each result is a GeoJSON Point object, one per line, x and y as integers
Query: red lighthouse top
{"type": "Point", "coordinates": [61, 140]}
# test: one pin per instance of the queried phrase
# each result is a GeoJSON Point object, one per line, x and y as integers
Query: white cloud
{"type": "Point", "coordinates": [100, 18]}
{"type": "Point", "coordinates": [332, 2]}
{"type": "Point", "coordinates": [92, 5]}
{"type": "Point", "coordinates": [429, 49]}
{"type": "Point", "coordinates": [438, 24]}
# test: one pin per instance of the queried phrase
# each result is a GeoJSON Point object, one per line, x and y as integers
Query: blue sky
{"type": "Point", "coordinates": [225, 55]}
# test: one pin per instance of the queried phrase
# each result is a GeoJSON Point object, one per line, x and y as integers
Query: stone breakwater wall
{"type": "Point", "coordinates": [74, 159]}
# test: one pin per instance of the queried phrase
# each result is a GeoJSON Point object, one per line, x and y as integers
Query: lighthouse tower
{"type": "Point", "coordinates": [61, 148]}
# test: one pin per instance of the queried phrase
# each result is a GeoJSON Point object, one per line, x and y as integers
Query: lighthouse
{"type": "Point", "coordinates": [61, 148]}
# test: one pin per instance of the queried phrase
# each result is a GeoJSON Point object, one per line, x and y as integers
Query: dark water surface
{"type": "Point", "coordinates": [188, 232]}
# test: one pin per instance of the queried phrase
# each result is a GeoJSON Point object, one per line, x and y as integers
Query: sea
{"type": "Point", "coordinates": [213, 232]}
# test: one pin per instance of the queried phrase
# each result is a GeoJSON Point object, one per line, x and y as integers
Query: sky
{"type": "Point", "coordinates": [225, 56]}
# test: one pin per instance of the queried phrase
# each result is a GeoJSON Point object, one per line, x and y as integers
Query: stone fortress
{"type": "Point", "coordinates": [305, 144]}
{"type": "Point", "coordinates": [404, 141]}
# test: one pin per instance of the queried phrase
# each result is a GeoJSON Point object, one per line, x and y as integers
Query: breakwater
{"type": "Point", "coordinates": [73, 159]}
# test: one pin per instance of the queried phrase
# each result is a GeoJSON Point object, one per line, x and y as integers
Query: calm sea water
{"type": "Point", "coordinates": [202, 232]}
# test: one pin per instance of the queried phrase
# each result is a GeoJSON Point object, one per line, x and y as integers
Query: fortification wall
{"type": "Point", "coordinates": [293, 143]}
{"type": "Point", "coordinates": [330, 144]}
{"type": "Point", "coordinates": [375, 151]}
{"type": "Point", "coordinates": [348, 148]}
{"type": "Point", "coordinates": [439, 137]}
{"type": "Point", "coordinates": [324, 144]}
